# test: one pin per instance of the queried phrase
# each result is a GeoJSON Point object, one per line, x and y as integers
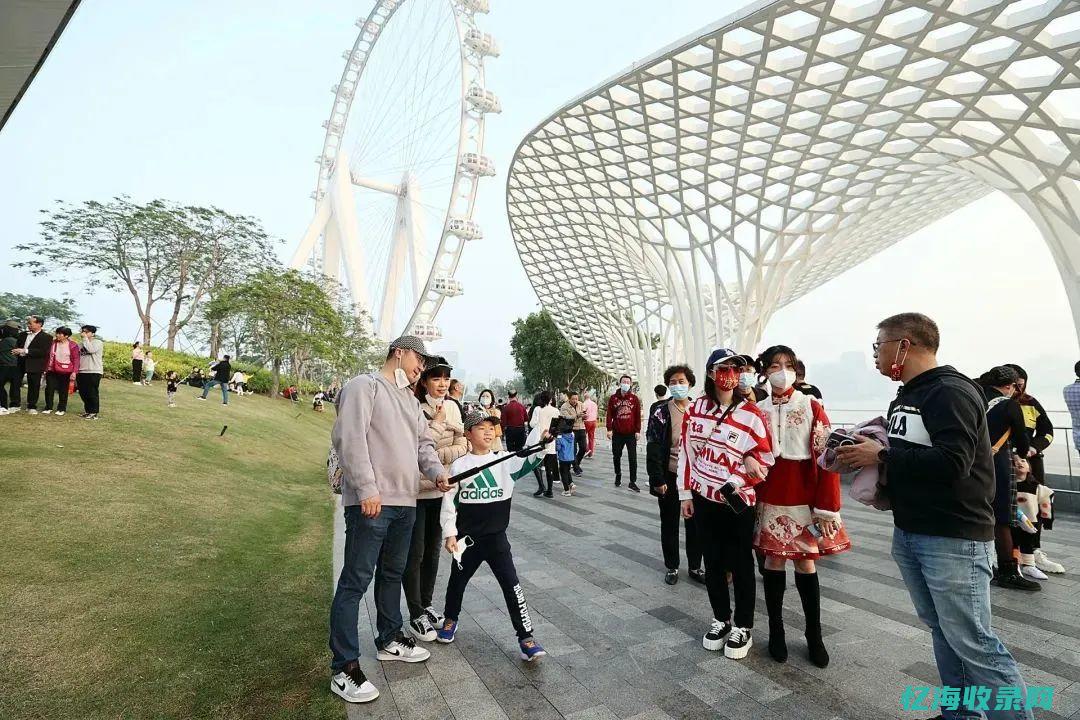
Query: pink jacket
{"type": "Point", "coordinates": [56, 366]}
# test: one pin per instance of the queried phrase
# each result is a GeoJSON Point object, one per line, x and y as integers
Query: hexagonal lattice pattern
{"type": "Point", "coordinates": [680, 204]}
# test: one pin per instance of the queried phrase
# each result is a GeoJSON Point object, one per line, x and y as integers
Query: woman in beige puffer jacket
{"type": "Point", "coordinates": [448, 432]}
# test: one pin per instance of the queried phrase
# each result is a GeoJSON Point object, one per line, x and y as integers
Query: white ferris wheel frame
{"type": "Point", "coordinates": [335, 220]}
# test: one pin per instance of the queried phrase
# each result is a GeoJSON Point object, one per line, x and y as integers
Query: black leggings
{"type": "Point", "coordinates": [726, 539]}
{"type": "Point", "coordinates": [551, 470]}
{"type": "Point", "coordinates": [670, 511]}
{"type": "Point", "coordinates": [495, 551]}
{"type": "Point", "coordinates": [422, 567]}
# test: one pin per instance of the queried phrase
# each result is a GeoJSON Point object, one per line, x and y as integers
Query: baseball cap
{"type": "Point", "coordinates": [475, 417]}
{"type": "Point", "coordinates": [726, 355]}
{"type": "Point", "coordinates": [411, 342]}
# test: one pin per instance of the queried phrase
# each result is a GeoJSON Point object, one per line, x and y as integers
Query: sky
{"type": "Point", "coordinates": [222, 103]}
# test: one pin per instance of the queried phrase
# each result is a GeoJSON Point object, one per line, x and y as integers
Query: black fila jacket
{"type": "Point", "coordinates": [940, 472]}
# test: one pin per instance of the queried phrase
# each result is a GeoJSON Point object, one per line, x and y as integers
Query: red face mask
{"type": "Point", "coordinates": [726, 377]}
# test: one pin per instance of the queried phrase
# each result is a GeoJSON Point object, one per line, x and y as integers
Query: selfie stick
{"type": "Point", "coordinates": [523, 452]}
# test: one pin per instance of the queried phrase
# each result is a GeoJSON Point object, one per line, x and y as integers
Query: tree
{"type": "Point", "coordinates": [212, 250]}
{"type": "Point", "coordinates": [21, 306]}
{"type": "Point", "coordinates": [294, 323]}
{"type": "Point", "coordinates": [546, 360]}
{"type": "Point", "coordinates": [118, 242]}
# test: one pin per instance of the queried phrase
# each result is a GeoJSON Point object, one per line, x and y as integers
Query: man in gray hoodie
{"type": "Point", "coordinates": [383, 446]}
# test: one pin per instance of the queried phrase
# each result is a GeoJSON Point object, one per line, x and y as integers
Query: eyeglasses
{"type": "Point", "coordinates": [885, 342]}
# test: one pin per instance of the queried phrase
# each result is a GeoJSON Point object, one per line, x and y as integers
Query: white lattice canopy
{"type": "Point", "coordinates": [678, 205]}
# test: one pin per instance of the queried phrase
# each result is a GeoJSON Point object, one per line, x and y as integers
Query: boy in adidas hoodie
{"type": "Point", "coordinates": [479, 509]}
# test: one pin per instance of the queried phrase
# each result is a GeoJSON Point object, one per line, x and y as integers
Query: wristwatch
{"type": "Point", "coordinates": [883, 455]}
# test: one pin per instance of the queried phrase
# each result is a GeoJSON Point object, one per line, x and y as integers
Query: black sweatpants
{"type": "Point", "coordinates": [88, 384]}
{"type": "Point", "coordinates": [628, 441]}
{"type": "Point", "coordinates": [564, 474]}
{"type": "Point", "coordinates": [581, 446]}
{"type": "Point", "coordinates": [422, 566]}
{"type": "Point", "coordinates": [726, 539]}
{"type": "Point", "coordinates": [10, 382]}
{"type": "Point", "coordinates": [670, 511]}
{"type": "Point", "coordinates": [551, 471]}
{"type": "Point", "coordinates": [57, 383]}
{"type": "Point", "coordinates": [495, 551]}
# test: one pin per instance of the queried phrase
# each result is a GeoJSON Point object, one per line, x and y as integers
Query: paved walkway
{"type": "Point", "coordinates": [622, 644]}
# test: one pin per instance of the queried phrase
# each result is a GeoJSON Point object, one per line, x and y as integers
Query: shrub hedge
{"type": "Point", "coordinates": [117, 365]}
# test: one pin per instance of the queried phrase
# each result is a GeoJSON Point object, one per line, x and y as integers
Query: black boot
{"type": "Point", "coordinates": [1009, 577]}
{"type": "Point", "coordinates": [810, 594]}
{"type": "Point", "coordinates": [539, 484]}
{"type": "Point", "coordinates": [775, 582]}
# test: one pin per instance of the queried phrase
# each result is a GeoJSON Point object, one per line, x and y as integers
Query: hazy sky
{"type": "Point", "coordinates": [210, 102]}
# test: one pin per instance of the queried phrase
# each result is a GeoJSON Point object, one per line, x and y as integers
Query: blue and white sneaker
{"type": "Point", "coordinates": [446, 633]}
{"type": "Point", "coordinates": [530, 649]}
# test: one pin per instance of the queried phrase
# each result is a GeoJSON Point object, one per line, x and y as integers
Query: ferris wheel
{"type": "Point", "coordinates": [401, 161]}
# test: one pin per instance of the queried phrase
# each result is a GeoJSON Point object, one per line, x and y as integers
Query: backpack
{"type": "Point", "coordinates": [334, 474]}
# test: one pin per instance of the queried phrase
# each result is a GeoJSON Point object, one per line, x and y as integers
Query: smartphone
{"type": "Point", "coordinates": [733, 498]}
{"type": "Point", "coordinates": [839, 438]}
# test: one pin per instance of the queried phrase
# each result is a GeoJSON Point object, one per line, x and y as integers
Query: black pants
{"type": "Point", "coordinates": [1038, 469]}
{"type": "Point", "coordinates": [726, 541]}
{"type": "Point", "coordinates": [670, 511]}
{"type": "Point", "coordinates": [551, 471]}
{"type": "Point", "coordinates": [423, 564]}
{"type": "Point", "coordinates": [495, 551]}
{"type": "Point", "coordinates": [33, 387]}
{"type": "Point", "coordinates": [514, 437]}
{"type": "Point", "coordinates": [88, 384]}
{"type": "Point", "coordinates": [1026, 542]}
{"type": "Point", "coordinates": [57, 383]}
{"type": "Point", "coordinates": [136, 370]}
{"type": "Point", "coordinates": [564, 474]}
{"type": "Point", "coordinates": [10, 387]}
{"type": "Point", "coordinates": [628, 441]}
{"type": "Point", "coordinates": [581, 446]}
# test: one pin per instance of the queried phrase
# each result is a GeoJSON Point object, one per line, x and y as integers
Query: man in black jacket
{"type": "Point", "coordinates": [222, 372]}
{"type": "Point", "coordinates": [940, 480]}
{"type": "Point", "coordinates": [32, 349]}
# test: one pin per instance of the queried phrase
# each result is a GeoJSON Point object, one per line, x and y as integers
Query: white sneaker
{"type": "Point", "coordinates": [738, 643]}
{"type": "Point", "coordinates": [45, 412]}
{"type": "Point", "coordinates": [59, 413]}
{"type": "Point", "coordinates": [3, 411]}
{"type": "Point", "coordinates": [420, 628]}
{"type": "Point", "coordinates": [1046, 564]}
{"type": "Point", "coordinates": [717, 634]}
{"type": "Point", "coordinates": [1032, 572]}
{"type": "Point", "coordinates": [200, 397]}
{"type": "Point", "coordinates": [31, 412]}
{"type": "Point", "coordinates": [573, 488]}
{"type": "Point", "coordinates": [353, 686]}
{"type": "Point", "coordinates": [136, 383]}
{"type": "Point", "coordinates": [434, 616]}
{"type": "Point", "coordinates": [404, 649]}
{"type": "Point", "coordinates": [12, 411]}
{"type": "Point", "coordinates": [566, 493]}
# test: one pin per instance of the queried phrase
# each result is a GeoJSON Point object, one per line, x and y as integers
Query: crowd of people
{"type": "Point", "coordinates": [61, 363]}
{"type": "Point", "coordinates": [751, 466]}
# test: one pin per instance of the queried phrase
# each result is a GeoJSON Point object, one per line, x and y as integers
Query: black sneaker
{"type": "Point", "coordinates": [618, 483]}
{"type": "Point", "coordinates": [714, 638]}
{"type": "Point", "coordinates": [671, 576]}
{"type": "Point", "coordinates": [538, 493]}
{"type": "Point", "coordinates": [634, 487]}
{"type": "Point", "coordinates": [738, 643]}
{"type": "Point", "coordinates": [697, 576]}
{"type": "Point", "coordinates": [578, 472]}
{"type": "Point", "coordinates": [549, 494]}
{"type": "Point", "coordinates": [1016, 581]}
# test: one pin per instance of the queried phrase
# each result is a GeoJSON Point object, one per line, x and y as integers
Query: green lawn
{"type": "Point", "coordinates": [152, 569]}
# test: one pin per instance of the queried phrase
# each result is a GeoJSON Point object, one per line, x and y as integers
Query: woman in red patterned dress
{"type": "Point", "coordinates": [798, 504]}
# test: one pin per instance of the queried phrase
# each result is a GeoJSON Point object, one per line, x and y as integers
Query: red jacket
{"type": "Point", "coordinates": [513, 415]}
{"type": "Point", "coordinates": [624, 413]}
{"type": "Point", "coordinates": [56, 366]}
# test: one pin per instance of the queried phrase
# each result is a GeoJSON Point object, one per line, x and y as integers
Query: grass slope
{"type": "Point", "coordinates": [152, 569]}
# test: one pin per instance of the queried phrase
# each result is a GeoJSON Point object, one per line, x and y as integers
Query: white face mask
{"type": "Point", "coordinates": [486, 402]}
{"type": "Point", "coordinates": [747, 380]}
{"type": "Point", "coordinates": [400, 378]}
{"type": "Point", "coordinates": [782, 379]}
{"type": "Point", "coordinates": [625, 387]}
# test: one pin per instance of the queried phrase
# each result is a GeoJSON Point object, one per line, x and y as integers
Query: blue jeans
{"type": "Point", "coordinates": [224, 390]}
{"type": "Point", "coordinates": [366, 540]}
{"type": "Point", "coordinates": [949, 583]}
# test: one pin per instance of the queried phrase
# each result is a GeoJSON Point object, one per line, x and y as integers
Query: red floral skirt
{"type": "Point", "coordinates": [784, 531]}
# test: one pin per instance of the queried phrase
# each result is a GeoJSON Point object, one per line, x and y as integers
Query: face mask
{"type": "Point", "coordinates": [747, 380]}
{"type": "Point", "coordinates": [782, 379]}
{"type": "Point", "coordinates": [486, 402]}
{"type": "Point", "coordinates": [726, 378]}
{"type": "Point", "coordinates": [400, 378]}
{"type": "Point", "coordinates": [679, 392]}
{"type": "Point", "coordinates": [625, 387]}
{"type": "Point", "coordinates": [897, 367]}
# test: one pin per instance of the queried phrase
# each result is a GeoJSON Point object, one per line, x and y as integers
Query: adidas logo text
{"type": "Point", "coordinates": [473, 493]}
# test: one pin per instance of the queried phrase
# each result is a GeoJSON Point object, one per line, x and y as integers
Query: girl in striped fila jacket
{"type": "Point", "coordinates": [726, 451]}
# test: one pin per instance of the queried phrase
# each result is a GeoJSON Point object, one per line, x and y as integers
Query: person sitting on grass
{"type": "Point", "coordinates": [195, 378]}
{"type": "Point", "coordinates": [474, 518]}
{"type": "Point", "coordinates": [317, 401]}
